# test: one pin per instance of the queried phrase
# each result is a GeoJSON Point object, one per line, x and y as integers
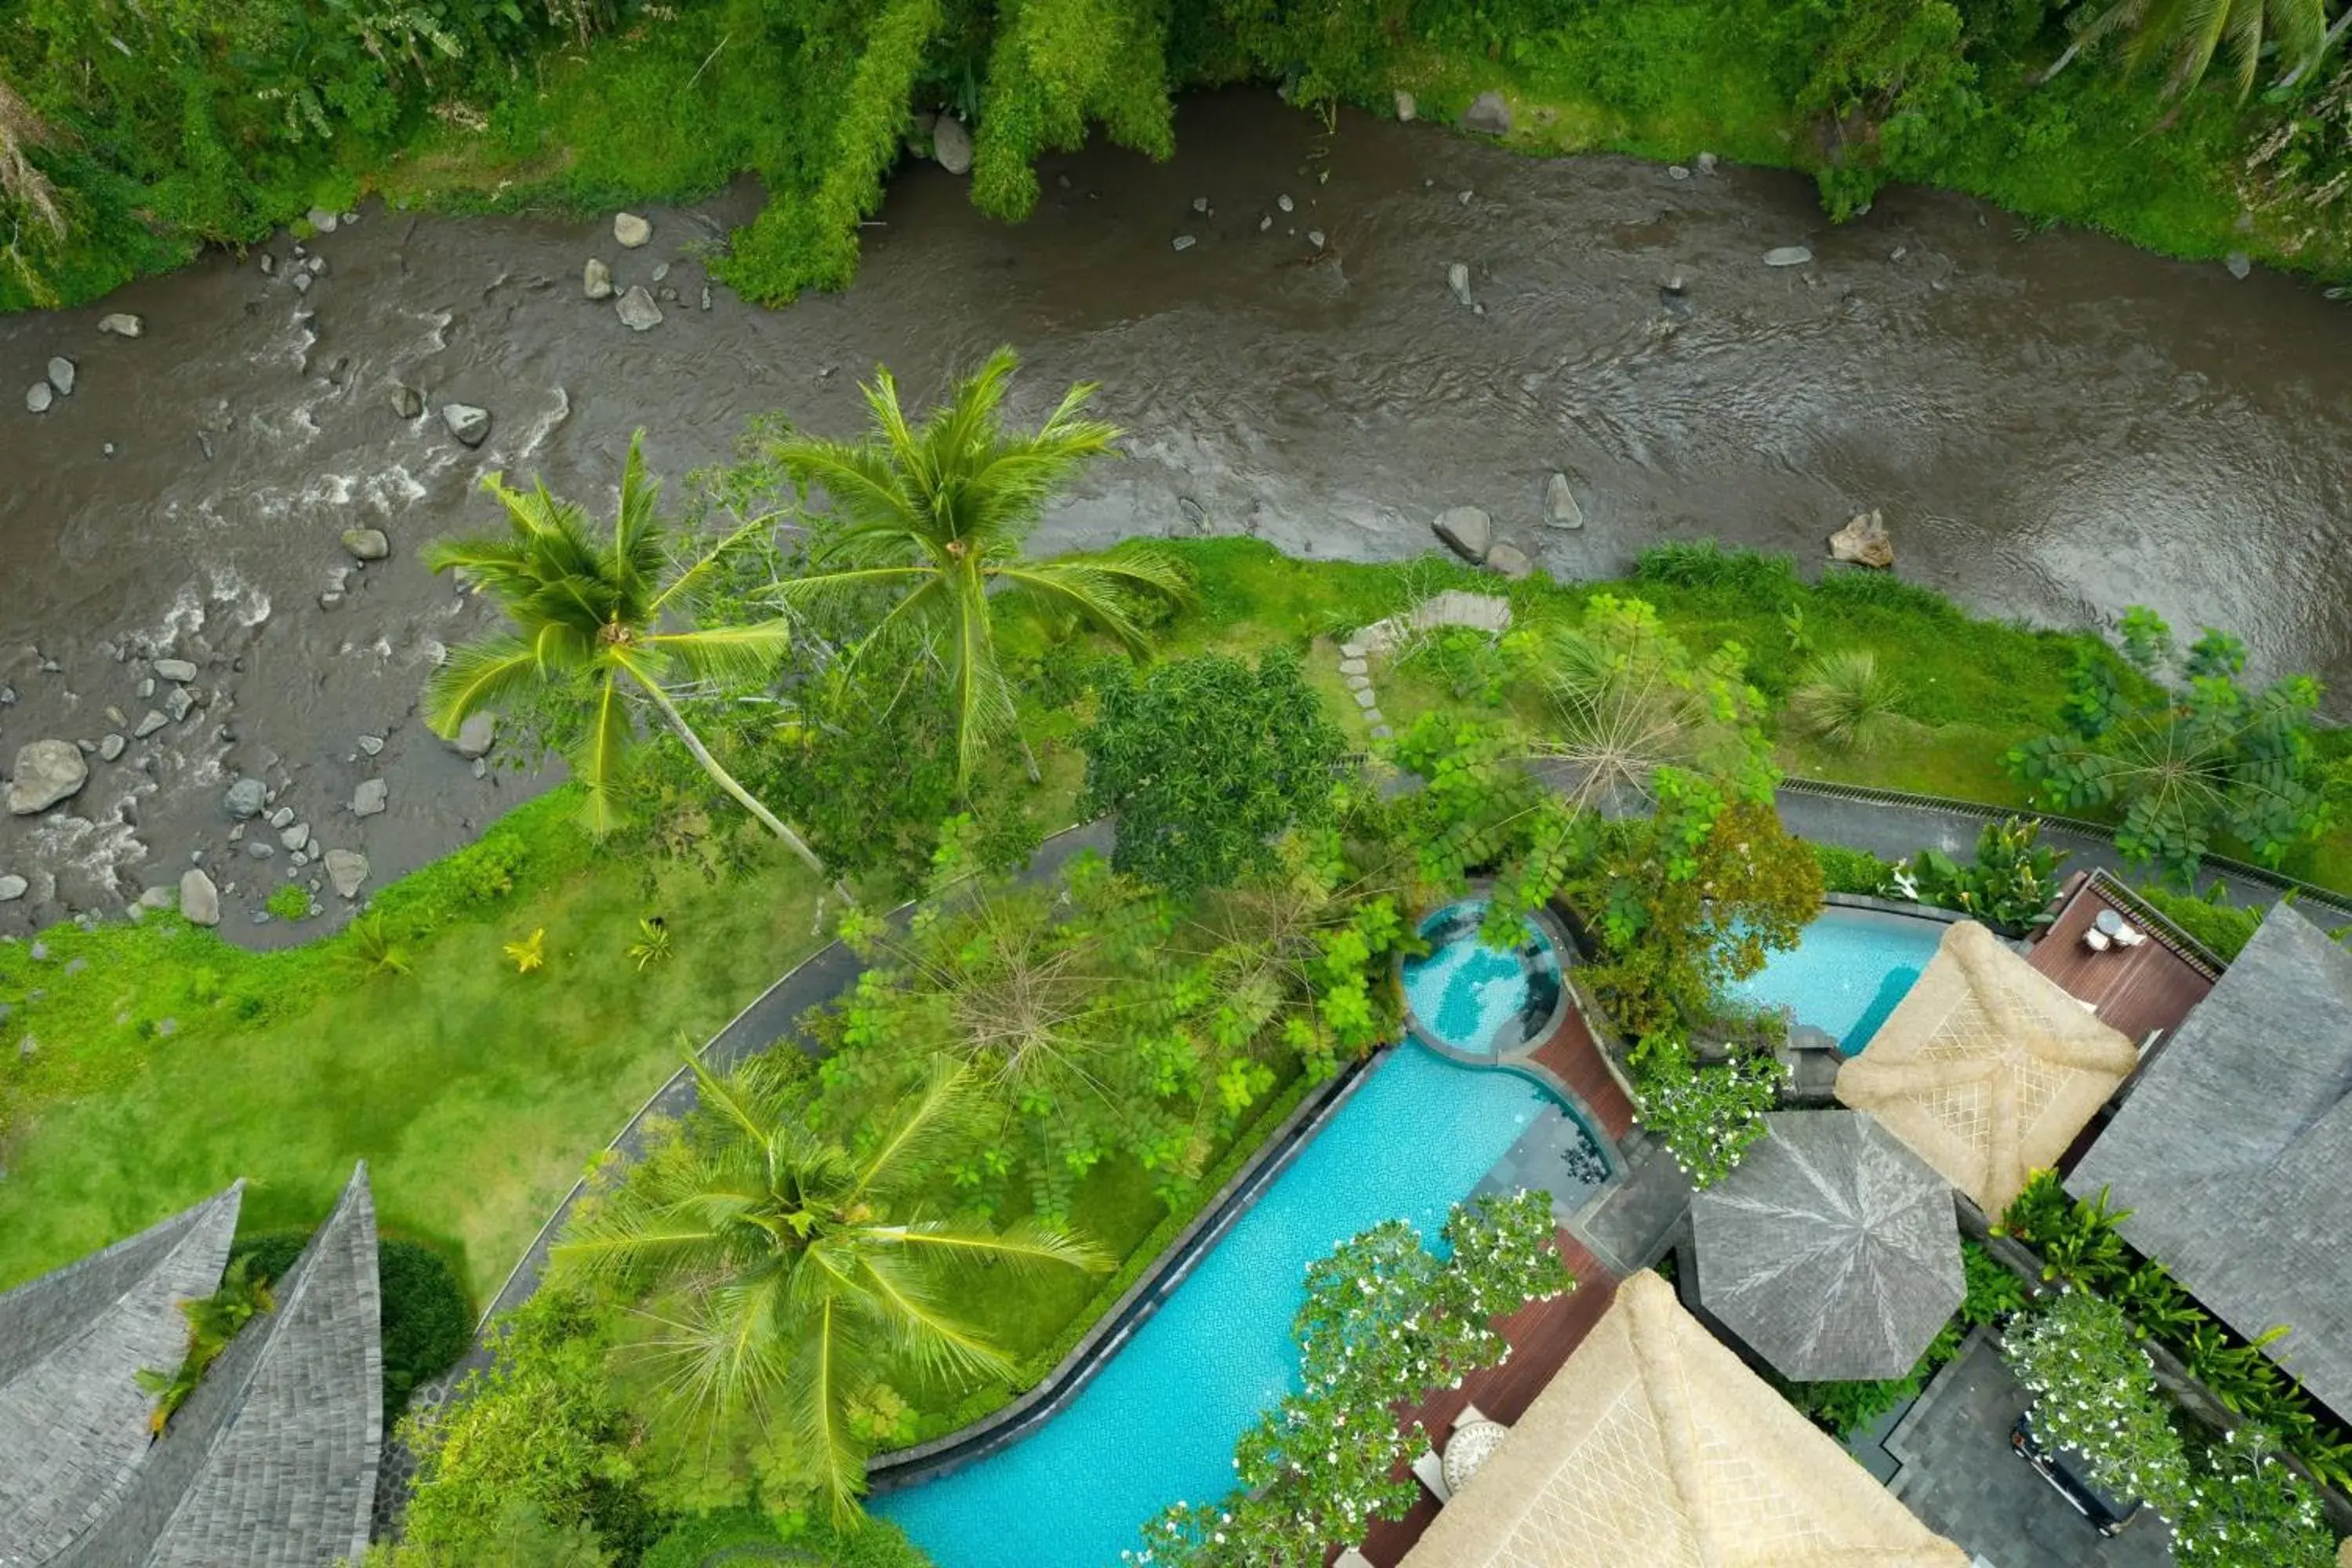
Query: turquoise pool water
{"type": "Point", "coordinates": [1470, 995]}
{"type": "Point", "coordinates": [1849, 972]}
{"type": "Point", "coordinates": [1158, 1422]}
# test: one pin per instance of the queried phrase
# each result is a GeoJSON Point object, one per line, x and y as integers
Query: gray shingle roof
{"type": "Point", "coordinates": [2234, 1152]}
{"type": "Point", "coordinates": [73, 1421]}
{"type": "Point", "coordinates": [271, 1461]}
{"type": "Point", "coordinates": [1833, 1249]}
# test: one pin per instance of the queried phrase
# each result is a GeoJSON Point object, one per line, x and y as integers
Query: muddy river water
{"type": "Point", "coordinates": [2055, 425]}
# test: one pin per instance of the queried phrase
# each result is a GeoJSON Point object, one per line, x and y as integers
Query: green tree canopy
{"type": "Point", "coordinates": [2185, 750]}
{"type": "Point", "coordinates": [1204, 761]}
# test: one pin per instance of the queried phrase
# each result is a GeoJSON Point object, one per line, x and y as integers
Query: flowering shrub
{"type": "Point", "coordinates": [1385, 1320]}
{"type": "Point", "coordinates": [1708, 1116]}
{"type": "Point", "coordinates": [2094, 1391]}
{"type": "Point", "coordinates": [2246, 1510]}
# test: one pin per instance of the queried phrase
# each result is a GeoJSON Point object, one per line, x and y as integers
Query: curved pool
{"type": "Point", "coordinates": [1847, 973]}
{"type": "Point", "coordinates": [1158, 1422]}
{"type": "Point", "coordinates": [1481, 1000]}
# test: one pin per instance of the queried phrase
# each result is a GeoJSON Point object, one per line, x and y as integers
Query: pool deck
{"type": "Point", "coordinates": [1541, 1337]}
{"type": "Point", "coordinates": [1572, 1056]}
{"type": "Point", "coordinates": [2138, 991]}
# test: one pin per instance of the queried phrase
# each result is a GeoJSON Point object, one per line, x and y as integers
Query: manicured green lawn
{"type": "Point", "coordinates": [475, 1094]}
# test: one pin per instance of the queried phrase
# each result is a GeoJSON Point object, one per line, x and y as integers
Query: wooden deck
{"type": "Point", "coordinates": [1541, 1337]}
{"type": "Point", "coordinates": [2138, 991]}
{"type": "Point", "coordinates": [1572, 1056]}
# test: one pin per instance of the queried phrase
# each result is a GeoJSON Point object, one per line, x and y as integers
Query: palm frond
{"type": "Point", "coordinates": [1023, 1245]}
{"type": "Point", "coordinates": [637, 529]}
{"type": "Point", "coordinates": [731, 655]}
{"type": "Point", "coordinates": [603, 752]}
{"type": "Point", "coordinates": [934, 1120]}
{"type": "Point", "coordinates": [475, 678]}
{"type": "Point", "coordinates": [1102, 589]}
{"type": "Point", "coordinates": [923, 1334]}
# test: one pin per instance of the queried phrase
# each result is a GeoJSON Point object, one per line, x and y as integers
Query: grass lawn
{"type": "Point", "coordinates": [475, 1094]}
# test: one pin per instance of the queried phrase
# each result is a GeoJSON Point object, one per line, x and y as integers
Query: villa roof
{"type": "Point", "coordinates": [271, 1461]}
{"type": "Point", "coordinates": [73, 1420]}
{"type": "Point", "coordinates": [1654, 1444]}
{"type": "Point", "coordinates": [1988, 1068]}
{"type": "Point", "coordinates": [2234, 1151]}
{"type": "Point", "coordinates": [1833, 1250]}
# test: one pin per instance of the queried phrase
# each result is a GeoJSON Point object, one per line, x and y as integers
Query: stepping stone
{"type": "Point", "coordinates": [1353, 664]}
{"type": "Point", "coordinates": [1348, 650]}
{"type": "Point", "coordinates": [1382, 732]}
{"type": "Point", "coordinates": [1360, 682]}
{"type": "Point", "coordinates": [1366, 701]}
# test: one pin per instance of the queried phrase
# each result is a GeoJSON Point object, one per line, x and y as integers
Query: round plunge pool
{"type": "Point", "coordinates": [1471, 999]}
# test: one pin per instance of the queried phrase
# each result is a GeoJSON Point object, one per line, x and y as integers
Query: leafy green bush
{"type": "Point", "coordinates": [427, 1323]}
{"type": "Point", "coordinates": [289, 902]}
{"type": "Point", "coordinates": [1845, 870]}
{"type": "Point", "coordinates": [2009, 886]}
{"type": "Point", "coordinates": [1753, 576]}
{"type": "Point", "coordinates": [2223, 927]}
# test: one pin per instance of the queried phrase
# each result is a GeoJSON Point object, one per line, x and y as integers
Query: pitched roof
{"type": "Point", "coordinates": [1833, 1250]}
{"type": "Point", "coordinates": [1988, 1068]}
{"type": "Point", "coordinates": [1655, 1445]}
{"type": "Point", "coordinates": [2234, 1152]}
{"type": "Point", "coordinates": [73, 1420]}
{"type": "Point", "coordinates": [271, 1461]}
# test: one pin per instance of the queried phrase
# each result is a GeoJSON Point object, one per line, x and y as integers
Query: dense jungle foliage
{"type": "Point", "coordinates": [131, 133]}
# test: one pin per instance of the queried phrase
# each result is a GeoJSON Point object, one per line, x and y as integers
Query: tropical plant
{"type": "Point", "coordinates": [1708, 1117]}
{"type": "Point", "coordinates": [1845, 701]}
{"type": "Point", "coordinates": [2094, 1392]}
{"type": "Point", "coordinates": [792, 1277]}
{"type": "Point", "coordinates": [2077, 1237]}
{"type": "Point", "coordinates": [2010, 887]}
{"type": "Point", "coordinates": [1205, 762]}
{"type": "Point", "coordinates": [653, 945]}
{"type": "Point", "coordinates": [529, 953]}
{"type": "Point", "coordinates": [2184, 752]}
{"type": "Point", "coordinates": [1627, 699]}
{"type": "Point", "coordinates": [213, 1321]}
{"type": "Point", "coordinates": [932, 517]}
{"type": "Point", "coordinates": [2246, 1510]}
{"type": "Point", "coordinates": [1385, 1320]}
{"type": "Point", "coordinates": [2183, 36]}
{"type": "Point", "coordinates": [589, 632]}
{"type": "Point", "coordinates": [375, 951]}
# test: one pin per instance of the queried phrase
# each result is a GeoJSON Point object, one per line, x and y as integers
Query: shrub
{"type": "Point", "coordinates": [427, 1323]}
{"type": "Point", "coordinates": [1767, 580]}
{"type": "Point", "coordinates": [1845, 701]}
{"type": "Point", "coordinates": [2223, 927]}
{"type": "Point", "coordinates": [1845, 870]}
{"type": "Point", "coordinates": [2010, 887]}
{"type": "Point", "coordinates": [291, 902]}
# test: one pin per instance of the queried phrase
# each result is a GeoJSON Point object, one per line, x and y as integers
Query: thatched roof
{"type": "Point", "coordinates": [271, 1461]}
{"type": "Point", "coordinates": [2234, 1152]}
{"type": "Point", "coordinates": [73, 1420]}
{"type": "Point", "coordinates": [1988, 1068]}
{"type": "Point", "coordinates": [1655, 1445]}
{"type": "Point", "coordinates": [1833, 1250]}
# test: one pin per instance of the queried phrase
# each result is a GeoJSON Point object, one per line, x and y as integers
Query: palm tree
{"type": "Point", "coordinates": [798, 1274]}
{"type": "Point", "coordinates": [587, 613]}
{"type": "Point", "coordinates": [2189, 33]}
{"type": "Point", "coordinates": [937, 512]}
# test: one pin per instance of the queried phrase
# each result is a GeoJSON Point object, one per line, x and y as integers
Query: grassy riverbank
{"type": "Point", "coordinates": [210, 125]}
{"type": "Point", "coordinates": [163, 1061]}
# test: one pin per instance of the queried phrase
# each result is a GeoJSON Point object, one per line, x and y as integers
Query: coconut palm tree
{"type": "Point", "coordinates": [793, 1275]}
{"type": "Point", "coordinates": [936, 514]}
{"type": "Point", "coordinates": [587, 613]}
{"type": "Point", "coordinates": [2185, 34]}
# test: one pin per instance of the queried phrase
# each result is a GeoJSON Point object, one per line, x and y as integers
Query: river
{"type": "Point", "coordinates": [2055, 425]}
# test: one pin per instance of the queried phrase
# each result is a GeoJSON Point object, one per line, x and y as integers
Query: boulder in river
{"type": "Point", "coordinates": [1786, 255]}
{"type": "Point", "coordinates": [110, 748]}
{"type": "Point", "coordinates": [371, 798]}
{"type": "Point", "coordinates": [951, 145]}
{"type": "Point", "coordinates": [637, 310]}
{"type": "Point", "coordinates": [1489, 114]}
{"type": "Point", "coordinates": [466, 422]}
{"type": "Point", "coordinates": [630, 231]}
{"type": "Point", "coordinates": [47, 772]}
{"type": "Point", "coordinates": [1560, 509]}
{"type": "Point", "coordinates": [322, 219]}
{"type": "Point", "coordinates": [1864, 541]}
{"type": "Point", "coordinates": [245, 798]}
{"type": "Point", "coordinates": [1457, 279]}
{"type": "Point", "coordinates": [199, 900]}
{"type": "Point", "coordinates": [12, 888]}
{"type": "Point", "coordinates": [477, 735]}
{"type": "Point", "coordinates": [122, 324]}
{"type": "Point", "coordinates": [406, 401]}
{"type": "Point", "coordinates": [596, 280]}
{"type": "Point", "coordinates": [346, 870]}
{"type": "Point", "coordinates": [179, 670]}
{"type": "Point", "coordinates": [1467, 531]}
{"type": "Point", "coordinates": [366, 544]}
{"type": "Point", "coordinates": [39, 396]}
{"type": "Point", "coordinates": [62, 375]}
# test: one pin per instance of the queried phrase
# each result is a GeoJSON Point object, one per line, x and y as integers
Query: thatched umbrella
{"type": "Point", "coordinates": [1831, 1250]}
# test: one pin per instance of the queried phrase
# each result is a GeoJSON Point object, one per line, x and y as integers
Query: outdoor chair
{"type": "Point", "coordinates": [2096, 941]}
{"type": "Point", "coordinates": [1430, 1471]}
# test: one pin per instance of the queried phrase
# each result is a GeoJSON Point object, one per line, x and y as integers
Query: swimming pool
{"type": "Point", "coordinates": [1478, 999]}
{"type": "Point", "coordinates": [1158, 1422]}
{"type": "Point", "coordinates": [1846, 976]}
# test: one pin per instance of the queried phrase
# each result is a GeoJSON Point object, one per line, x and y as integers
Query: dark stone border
{"type": "Point", "coordinates": [1935, 912]}
{"type": "Point", "coordinates": [1000, 1429]}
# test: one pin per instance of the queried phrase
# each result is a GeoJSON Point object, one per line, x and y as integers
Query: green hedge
{"type": "Point", "coordinates": [427, 1323]}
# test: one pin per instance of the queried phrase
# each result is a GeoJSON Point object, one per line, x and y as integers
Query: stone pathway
{"type": "Point", "coordinates": [1489, 612]}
